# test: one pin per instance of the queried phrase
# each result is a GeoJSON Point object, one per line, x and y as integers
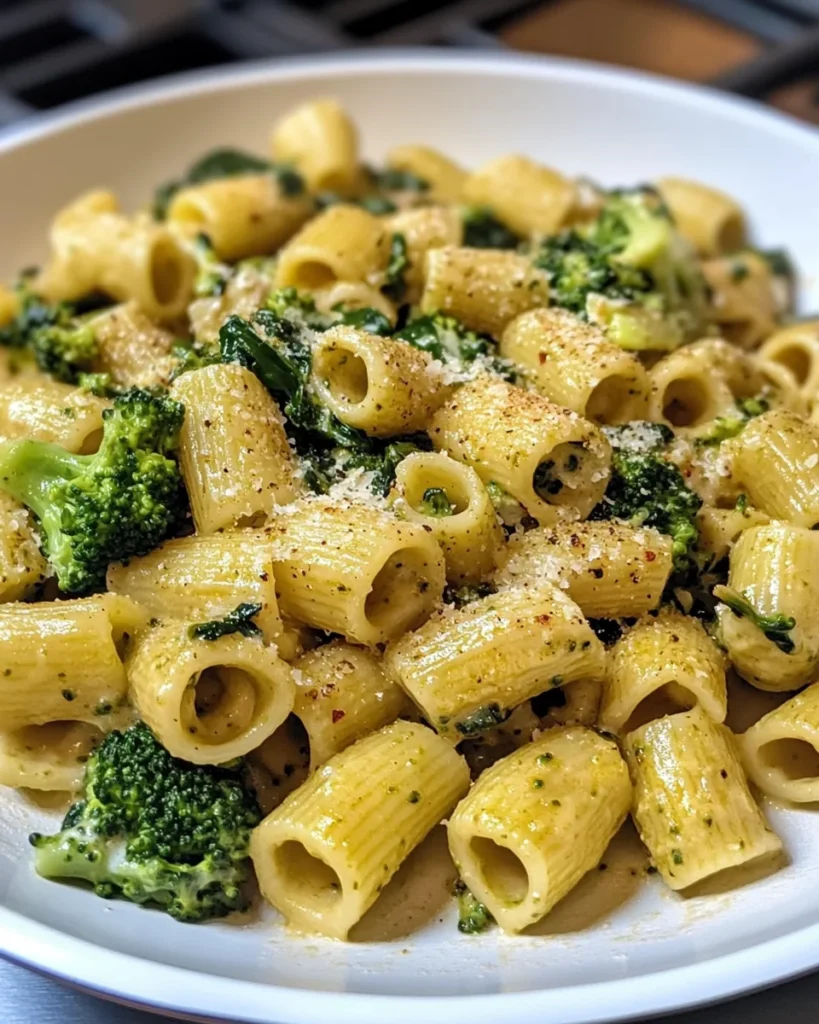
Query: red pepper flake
{"type": "Point", "coordinates": [541, 358]}
{"type": "Point", "coordinates": [337, 715]}
{"type": "Point", "coordinates": [650, 556]}
{"type": "Point", "coordinates": [543, 619]}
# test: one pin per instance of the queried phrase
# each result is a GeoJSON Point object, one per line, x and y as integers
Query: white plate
{"type": "Point", "coordinates": [651, 952]}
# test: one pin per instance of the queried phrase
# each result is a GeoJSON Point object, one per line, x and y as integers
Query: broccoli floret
{"type": "Point", "coordinates": [483, 230]}
{"type": "Point", "coordinates": [156, 830]}
{"type": "Point", "coordinates": [96, 509]}
{"type": "Point", "coordinates": [61, 344]}
{"type": "Point", "coordinates": [473, 916]}
{"type": "Point", "coordinates": [629, 270]}
{"type": "Point", "coordinates": [776, 628]}
{"type": "Point", "coordinates": [646, 489]}
{"type": "Point", "coordinates": [725, 427]}
{"type": "Point", "coordinates": [483, 718]}
{"type": "Point", "coordinates": [300, 308]}
{"type": "Point", "coordinates": [435, 502]}
{"type": "Point", "coordinates": [191, 355]}
{"type": "Point", "coordinates": [446, 339]}
{"type": "Point", "coordinates": [240, 620]}
{"type": "Point", "coordinates": [382, 459]}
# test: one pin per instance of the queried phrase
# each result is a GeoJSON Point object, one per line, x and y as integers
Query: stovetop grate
{"type": "Point", "coordinates": [53, 51]}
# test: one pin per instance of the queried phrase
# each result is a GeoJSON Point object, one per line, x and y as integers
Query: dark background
{"type": "Point", "coordinates": [53, 51]}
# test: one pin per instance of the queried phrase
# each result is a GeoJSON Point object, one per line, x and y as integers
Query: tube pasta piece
{"type": "Point", "coordinates": [49, 758]}
{"type": "Point", "coordinates": [692, 804]}
{"type": "Point", "coordinates": [22, 565]}
{"type": "Point", "coordinates": [467, 668]}
{"type": "Point", "coordinates": [60, 663]}
{"type": "Point", "coordinates": [344, 243]}
{"type": "Point", "coordinates": [609, 569]}
{"type": "Point", "coordinates": [573, 364]}
{"type": "Point", "coordinates": [710, 220]}
{"type": "Point", "coordinates": [743, 300]}
{"type": "Point", "coordinates": [343, 694]}
{"type": "Point", "coordinates": [424, 229]}
{"type": "Point", "coordinates": [381, 386]}
{"type": "Point", "coordinates": [529, 198]}
{"type": "Point", "coordinates": [247, 215]}
{"type": "Point", "coordinates": [776, 569]}
{"type": "Point", "coordinates": [208, 701]}
{"type": "Point", "coordinates": [776, 460]}
{"type": "Point", "coordinates": [719, 528]}
{"type": "Point", "coordinates": [444, 178]}
{"type": "Point", "coordinates": [233, 451]}
{"type": "Point", "coordinates": [688, 390]}
{"type": "Point", "coordinates": [204, 577]}
{"type": "Point", "coordinates": [796, 349]}
{"type": "Point", "coordinates": [353, 295]}
{"type": "Point", "coordinates": [244, 294]}
{"type": "Point", "coordinates": [323, 857]}
{"type": "Point", "coordinates": [96, 248]}
{"type": "Point", "coordinates": [40, 409]}
{"type": "Point", "coordinates": [483, 288]}
{"type": "Point", "coordinates": [669, 660]}
{"type": "Point", "coordinates": [132, 348]}
{"type": "Point", "coordinates": [355, 570]}
{"type": "Point", "coordinates": [321, 142]}
{"type": "Point", "coordinates": [467, 527]}
{"type": "Point", "coordinates": [537, 821]}
{"type": "Point", "coordinates": [781, 752]}
{"type": "Point", "coordinates": [554, 462]}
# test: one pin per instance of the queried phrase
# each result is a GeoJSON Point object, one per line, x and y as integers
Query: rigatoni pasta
{"type": "Point", "coordinates": [692, 804]}
{"type": "Point", "coordinates": [780, 751]}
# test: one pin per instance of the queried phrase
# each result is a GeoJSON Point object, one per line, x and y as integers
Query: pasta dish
{"type": "Point", "coordinates": [337, 502]}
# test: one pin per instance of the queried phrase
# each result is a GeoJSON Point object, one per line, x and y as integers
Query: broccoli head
{"type": "Point", "coordinates": [646, 489]}
{"type": "Point", "coordinates": [725, 427]}
{"type": "Point", "coordinates": [96, 509]}
{"type": "Point", "coordinates": [61, 344]}
{"type": "Point", "coordinates": [446, 339]}
{"type": "Point", "coordinates": [629, 270]}
{"type": "Point", "coordinates": [154, 829]}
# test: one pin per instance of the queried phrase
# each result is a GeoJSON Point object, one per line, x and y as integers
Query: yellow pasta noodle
{"type": "Point", "coordinates": [321, 142]}
{"type": "Point", "coordinates": [573, 364]}
{"type": "Point", "coordinates": [688, 390]}
{"type": "Point", "coordinates": [39, 409]}
{"type": "Point", "coordinates": [424, 229]}
{"type": "Point", "coordinates": [776, 460]}
{"type": "Point", "coordinates": [323, 857]}
{"type": "Point", "coordinates": [466, 526]}
{"type": "Point", "coordinates": [773, 574]}
{"type": "Point", "coordinates": [247, 215]}
{"type": "Point", "coordinates": [49, 757]}
{"type": "Point", "coordinates": [712, 221]}
{"type": "Point", "coordinates": [467, 668]}
{"type": "Point", "coordinates": [343, 694]}
{"type": "Point", "coordinates": [96, 248]}
{"type": "Point", "coordinates": [344, 243]}
{"type": "Point", "coordinates": [22, 565]}
{"type": "Point", "coordinates": [692, 804]}
{"type": "Point", "coordinates": [537, 821]}
{"type": "Point", "coordinates": [208, 701]}
{"type": "Point", "coordinates": [611, 570]}
{"type": "Point", "coordinates": [233, 451]}
{"type": "Point", "coordinates": [483, 288]}
{"type": "Point", "coordinates": [796, 348]}
{"type": "Point", "coordinates": [355, 570]}
{"type": "Point", "coordinates": [530, 198]}
{"type": "Point", "coordinates": [781, 752]}
{"type": "Point", "coordinates": [381, 386]}
{"type": "Point", "coordinates": [744, 301]}
{"type": "Point", "coordinates": [663, 663]}
{"type": "Point", "coordinates": [443, 177]}
{"type": "Point", "coordinates": [132, 348]}
{"type": "Point", "coordinates": [60, 663]}
{"type": "Point", "coordinates": [554, 462]}
{"type": "Point", "coordinates": [204, 577]}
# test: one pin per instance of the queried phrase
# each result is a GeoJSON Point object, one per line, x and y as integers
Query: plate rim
{"type": "Point", "coordinates": [163, 988]}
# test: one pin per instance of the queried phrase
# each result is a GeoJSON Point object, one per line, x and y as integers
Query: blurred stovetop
{"type": "Point", "coordinates": [53, 51]}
